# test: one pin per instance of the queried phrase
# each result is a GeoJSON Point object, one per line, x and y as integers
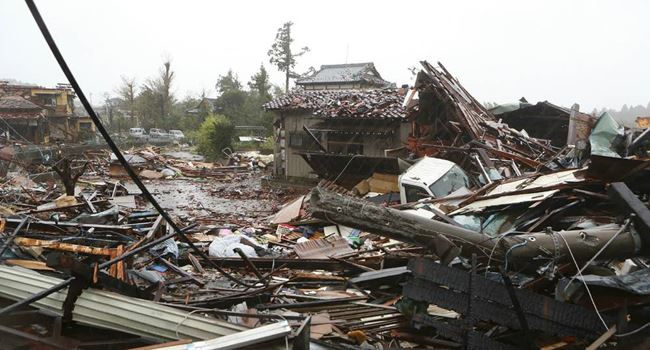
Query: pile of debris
{"type": "Point", "coordinates": [490, 240]}
{"type": "Point", "coordinates": [151, 164]}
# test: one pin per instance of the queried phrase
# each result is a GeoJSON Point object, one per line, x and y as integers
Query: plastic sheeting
{"type": "Point", "coordinates": [637, 282]}
{"type": "Point", "coordinates": [224, 246]}
{"type": "Point", "coordinates": [606, 136]}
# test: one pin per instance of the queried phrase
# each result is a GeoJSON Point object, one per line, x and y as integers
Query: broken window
{"type": "Point", "coordinates": [414, 193]}
{"type": "Point", "coordinates": [300, 140]}
{"type": "Point", "coordinates": [345, 143]}
{"type": "Point", "coordinates": [454, 179]}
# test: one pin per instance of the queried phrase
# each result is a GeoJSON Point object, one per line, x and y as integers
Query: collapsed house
{"type": "Point", "coordinates": [548, 121]}
{"type": "Point", "coordinates": [556, 231]}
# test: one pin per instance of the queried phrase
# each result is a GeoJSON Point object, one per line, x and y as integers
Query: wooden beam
{"type": "Point", "coordinates": [68, 247]}
{"type": "Point", "coordinates": [625, 198]}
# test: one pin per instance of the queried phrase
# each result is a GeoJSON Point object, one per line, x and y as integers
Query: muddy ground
{"type": "Point", "coordinates": [240, 200]}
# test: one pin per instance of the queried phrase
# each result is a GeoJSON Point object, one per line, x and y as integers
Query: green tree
{"type": "Point", "coordinates": [184, 121]}
{"type": "Point", "coordinates": [282, 56]}
{"type": "Point", "coordinates": [232, 98]}
{"type": "Point", "coordinates": [260, 84]}
{"type": "Point", "coordinates": [214, 134]}
{"type": "Point", "coordinates": [227, 83]}
{"type": "Point", "coordinates": [148, 106]}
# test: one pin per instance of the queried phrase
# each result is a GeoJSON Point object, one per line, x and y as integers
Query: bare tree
{"type": "Point", "coordinates": [108, 106]}
{"type": "Point", "coordinates": [165, 86]}
{"type": "Point", "coordinates": [127, 92]}
{"type": "Point", "coordinates": [156, 98]}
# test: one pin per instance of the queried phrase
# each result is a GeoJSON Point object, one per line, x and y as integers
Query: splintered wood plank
{"type": "Point", "coordinates": [29, 264]}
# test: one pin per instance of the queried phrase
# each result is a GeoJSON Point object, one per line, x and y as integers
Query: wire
{"type": "Point", "coordinates": [634, 331]}
{"type": "Point", "coordinates": [183, 320]}
{"type": "Point", "coordinates": [102, 130]}
{"type": "Point", "coordinates": [345, 167]}
{"type": "Point", "coordinates": [505, 267]}
{"type": "Point", "coordinates": [583, 281]}
{"type": "Point", "coordinates": [625, 225]}
{"type": "Point", "coordinates": [496, 244]}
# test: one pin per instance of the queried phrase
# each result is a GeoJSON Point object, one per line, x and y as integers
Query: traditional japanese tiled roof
{"type": "Point", "coordinates": [16, 103]}
{"type": "Point", "coordinates": [345, 74]}
{"type": "Point", "coordinates": [17, 107]}
{"type": "Point", "coordinates": [358, 104]}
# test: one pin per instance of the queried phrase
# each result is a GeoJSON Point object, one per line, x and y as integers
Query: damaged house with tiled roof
{"type": "Point", "coordinates": [56, 105]}
{"type": "Point", "coordinates": [339, 113]}
{"type": "Point", "coordinates": [22, 119]}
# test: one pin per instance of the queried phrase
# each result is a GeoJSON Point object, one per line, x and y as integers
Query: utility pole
{"type": "Point", "coordinates": [288, 59]}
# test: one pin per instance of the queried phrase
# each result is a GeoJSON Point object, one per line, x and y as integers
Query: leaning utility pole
{"type": "Point", "coordinates": [447, 241]}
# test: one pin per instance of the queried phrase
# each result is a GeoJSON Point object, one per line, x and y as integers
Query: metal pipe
{"type": "Point", "coordinates": [11, 237]}
{"type": "Point", "coordinates": [250, 264]}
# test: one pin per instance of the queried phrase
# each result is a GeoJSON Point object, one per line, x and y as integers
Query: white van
{"type": "Point", "coordinates": [158, 133]}
{"type": "Point", "coordinates": [176, 135]}
{"type": "Point", "coordinates": [137, 133]}
{"type": "Point", "coordinates": [431, 177]}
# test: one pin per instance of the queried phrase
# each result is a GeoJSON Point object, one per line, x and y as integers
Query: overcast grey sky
{"type": "Point", "coordinates": [595, 53]}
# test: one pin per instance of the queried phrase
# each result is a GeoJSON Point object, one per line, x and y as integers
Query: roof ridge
{"type": "Point", "coordinates": [344, 65]}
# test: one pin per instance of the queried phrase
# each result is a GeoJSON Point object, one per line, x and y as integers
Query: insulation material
{"type": "Point", "coordinates": [322, 248]}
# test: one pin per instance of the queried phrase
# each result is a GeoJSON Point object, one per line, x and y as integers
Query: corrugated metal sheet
{"type": "Point", "coordinates": [114, 311]}
{"type": "Point", "coordinates": [242, 339]}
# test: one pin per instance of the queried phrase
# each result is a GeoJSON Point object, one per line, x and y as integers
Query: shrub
{"type": "Point", "coordinates": [267, 147]}
{"type": "Point", "coordinates": [214, 134]}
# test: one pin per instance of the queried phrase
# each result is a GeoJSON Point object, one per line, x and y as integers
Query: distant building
{"type": "Point", "coordinates": [57, 105]}
{"type": "Point", "coordinates": [207, 105]}
{"type": "Point", "coordinates": [352, 76]}
{"type": "Point", "coordinates": [22, 121]}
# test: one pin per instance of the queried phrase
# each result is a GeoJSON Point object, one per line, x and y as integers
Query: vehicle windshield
{"type": "Point", "coordinates": [414, 193]}
{"type": "Point", "coordinates": [454, 179]}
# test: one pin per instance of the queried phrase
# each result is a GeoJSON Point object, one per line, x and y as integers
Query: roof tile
{"type": "Point", "coordinates": [366, 104]}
